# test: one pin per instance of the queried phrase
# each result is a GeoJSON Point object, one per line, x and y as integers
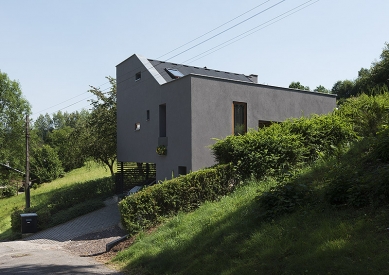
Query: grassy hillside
{"type": "Point", "coordinates": [230, 237]}
{"type": "Point", "coordinates": [38, 196]}
{"type": "Point", "coordinates": [325, 216]}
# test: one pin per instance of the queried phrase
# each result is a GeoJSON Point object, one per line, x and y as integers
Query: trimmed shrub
{"type": "Point", "coordinates": [280, 147]}
{"type": "Point", "coordinates": [185, 193]}
{"type": "Point", "coordinates": [67, 203]}
{"type": "Point", "coordinates": [44, 218]}
{"type": "Point", "coordinates": [75, 211]}
{"type": "Point", "coordinates": [257, 153]}
{"type": "Point", "coordinates": [321, 133]}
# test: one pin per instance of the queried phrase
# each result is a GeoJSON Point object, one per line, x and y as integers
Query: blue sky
{"type": "Point", "coordinates": [56, 49]}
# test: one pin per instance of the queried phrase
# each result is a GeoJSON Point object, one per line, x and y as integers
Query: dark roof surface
{"type": "Point", "coordinates": [161, 67]}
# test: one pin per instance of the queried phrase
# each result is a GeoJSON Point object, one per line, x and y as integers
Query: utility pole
{"type": "Point", "coordinates": [27, 183]}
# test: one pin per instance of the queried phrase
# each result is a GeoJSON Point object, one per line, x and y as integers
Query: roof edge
{"type": "Point", "coordinates": [251, 84]}
{"type": "Point", "coordinates": [158, 77]}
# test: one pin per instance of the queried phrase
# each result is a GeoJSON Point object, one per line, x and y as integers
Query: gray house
{"type": "Point", "coordinates": [183, 108]}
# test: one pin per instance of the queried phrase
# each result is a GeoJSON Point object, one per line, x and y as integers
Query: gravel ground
{"type": "Point", "coordinates": [93, 244]}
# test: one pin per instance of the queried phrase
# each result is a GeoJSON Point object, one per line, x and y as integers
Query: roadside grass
{"type": "Point", "coordinates": [39, 196]}
{"type": "Point", "coordinates": [226, 237]}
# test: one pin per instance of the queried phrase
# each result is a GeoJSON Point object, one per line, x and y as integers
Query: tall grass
{"type": "Point", "coordinates": [38, 196]}
{"type": "Point", "coordinates": [226, 237]}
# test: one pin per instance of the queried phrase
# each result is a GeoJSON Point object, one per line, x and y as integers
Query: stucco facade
{"type": "Point", "coordinates": [185, 113]}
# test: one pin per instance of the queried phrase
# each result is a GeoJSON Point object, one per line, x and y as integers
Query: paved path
{"type": "Point", "coordinates": [98, 220]}
{"type": "Point", "coordinates": [24, 257]}
{"type": "Point", "coordinates": [57, 250]}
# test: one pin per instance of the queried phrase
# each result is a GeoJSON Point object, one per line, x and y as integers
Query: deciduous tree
{"type": "Point", "coordinates": [101, 145]}
{"type": "Point", "coordinates": [13, 110]}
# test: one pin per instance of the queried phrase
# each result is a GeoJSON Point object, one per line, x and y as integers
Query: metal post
{"type": "Point", "coordinates": [122, 178]}
{"type": "Point", "coordinates": [27, 182]}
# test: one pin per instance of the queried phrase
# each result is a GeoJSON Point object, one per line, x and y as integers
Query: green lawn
{"type": "Point", "coordinates": [90, 172]}
{"type": "Point", "coordinates": [226, 237]}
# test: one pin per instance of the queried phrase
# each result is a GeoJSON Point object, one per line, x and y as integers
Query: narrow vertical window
{"type": "Point", "coordinates": [239, 118]}
{"type": "Point", "coordinates": [148, 115]}
{"type": "Point", "coordinates": [138, 76]}
{"type": "Point", "coordinates": [162, 120]}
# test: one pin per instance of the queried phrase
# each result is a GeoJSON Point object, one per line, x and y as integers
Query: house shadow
{"type": "Point", "coordinates": [222, 247]}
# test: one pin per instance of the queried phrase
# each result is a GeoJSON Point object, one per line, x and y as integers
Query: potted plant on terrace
{"type": "Point", "coordinates": [162, 150]}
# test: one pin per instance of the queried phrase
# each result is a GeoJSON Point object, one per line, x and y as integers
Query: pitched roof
{"type": "Point", "coordinates": [178, 70]}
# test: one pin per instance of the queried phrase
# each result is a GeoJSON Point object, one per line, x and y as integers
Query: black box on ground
{"type": "Point", "coordinates": [29, 222]}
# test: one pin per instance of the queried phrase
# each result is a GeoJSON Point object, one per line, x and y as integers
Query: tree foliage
{"type": "Point", "coordinates": [64, 132]}
{"type": "Point", "coordinates": [322, 89]}
{"type": "Point", "coordinates": [45, 164]}
{"type": "Point", "coordinates": [101, 145]}
{"type": "Point", "coordinates": [372, 81]}
{"type": "Point", "coordinates": [299, 86]}
{"type": "Point", "coordinates": [13, 111]}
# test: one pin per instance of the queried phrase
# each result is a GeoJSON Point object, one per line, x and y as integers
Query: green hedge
{"type": "Point", "coordinates": [185, 193]}
{"type": "Point", "coordinates": [7, 191]}
{"type": "Point", "coordinates": [367, 114]}
{"type": "Point", "coordinates": [283, 146]}
{"type": "Point", "coordinates": [66, 203]}
{"type": "Point", "coordinates": [321, 133]}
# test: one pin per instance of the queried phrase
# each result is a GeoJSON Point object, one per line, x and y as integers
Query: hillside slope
{"type": "Point", "coordinates": [327, 217]}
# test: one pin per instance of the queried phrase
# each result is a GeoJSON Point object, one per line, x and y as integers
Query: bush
{"type": "Point", "coordinates": [44, 218]}
{"type": "Point", "coordinates": [45, 164]}
{"type": "Point", "coordinates": [75, 211]}
{"type": "Point", "coordinates": [257, 153]}
{"type": "Point", "coordinates": [282, 199]}
{"type": "Point", "coordinates": [67, 203]}
{"type": "Point", "coordinates": [185, 193]}
{"type": "Point", "coordinates": [8, 191]}
{"type": "Point", "coordinates": [366, 113]}
{"type": "Point", "coordinates": [321, 133]}
{"type": "Point", "coordinates": [284, 146]}
{"type": "Point", "coordinates": [361, 177]}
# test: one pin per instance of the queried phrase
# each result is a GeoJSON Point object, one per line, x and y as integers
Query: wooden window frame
{"type": "Point", "coordinates": [244, 104]}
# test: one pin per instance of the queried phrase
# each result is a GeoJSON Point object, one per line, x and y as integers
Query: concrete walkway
{"type": "Point", "coordinates": [98, 220]}
{"type": "Point", "coordinates": [57, 250]}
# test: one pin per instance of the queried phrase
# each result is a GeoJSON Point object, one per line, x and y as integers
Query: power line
{"type": "Point", "coordinates": [76, 103]}
{"type": "Point", "coordinates": [241, 22]}
{"type": "Point", "coordinates": [62, 102]}
{"type": "Point", "coordinates": [251, 31]}
{"type": "Point", "coordinates": [226, 30]}
{"type": "Point", "coordinates": [262, 11]}
{"type": "Point", "coordinates": [213, 29]}
{"type": "Point", "coordinates": [161, 62]}
{"type": "Point", "coordinates": [218, 47]}
{"type": "Point", "coordinates": [99, 86]}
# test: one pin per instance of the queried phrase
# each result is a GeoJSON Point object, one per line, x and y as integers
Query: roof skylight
{"type": "Point", "coordinates": [174, 73]}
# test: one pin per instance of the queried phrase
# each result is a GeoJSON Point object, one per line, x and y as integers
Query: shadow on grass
{"type": "Point", "coordinates": [8, 235]}
{"type": "Point", "coordinates": [310, 242]}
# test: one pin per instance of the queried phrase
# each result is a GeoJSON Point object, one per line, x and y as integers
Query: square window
{"type": "Point", "coordinates": [138, 76]}
{"type": "Point", "coordinates": [263, 123]}
{"type": "Point", "coordinates": [182, 170]}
